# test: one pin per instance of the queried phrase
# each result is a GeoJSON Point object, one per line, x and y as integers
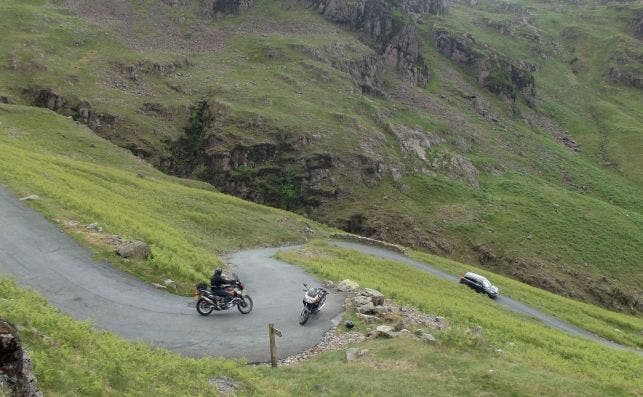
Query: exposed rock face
{"type": "Point", "coordinates": [16, 376]}
{"type": "Point", "coordinates": [498, 74]}
{"type": "Point", "coordinates": [6, 100]}
{"type": "Point", "coordinates": [278, 172]}
{"type": "Point", "coordinates": [397, 38]}
{"type": "Point", "coordinates": [227, 7]}
{"type": "Point", "coordinates": [435, 7]}
{"type": "Point", "coordinates": [136, 70]}
{"type": "Point", "coordinates": [456, 166]}
{"type": "Point", "coordinates": [80, 111]}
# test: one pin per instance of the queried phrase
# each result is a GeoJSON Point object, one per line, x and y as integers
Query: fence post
{"type": "Point", "coordinates": [272, 331]}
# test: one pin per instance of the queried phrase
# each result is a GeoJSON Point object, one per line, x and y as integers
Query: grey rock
{"type": "Point", "coordinates": [366, 309]}
{"type": "Point", "coordinates": [225, 385]}
{"type": "Point", "coordinates": [368, 319]}
{"type": "Point", "coordinates": [382, 310]}
{"type": "Point", "coordinates": [427, 338]}
{"type": "Point", "coordinates": [16, 373]}
{"type": "Point", "coordinates": [94, 227]}
{"type": "Point", "coordinates": [30, 197]}
{"type": "Point", "coordinates": [353, 354]}
{"type": "Point", "coordinates": [385, 331]}
{"type": "Point", "coordinates": [134, 249]}
{"type": "Point", "coordinates": [169, 283]}
{"type": "Point", "coordinates": [375, 296]}
{"type": "Point", "coordinates": [347, 286]}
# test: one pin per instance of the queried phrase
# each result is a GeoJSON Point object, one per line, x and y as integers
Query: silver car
{"type": "Point", "coordinates": [480, 284]}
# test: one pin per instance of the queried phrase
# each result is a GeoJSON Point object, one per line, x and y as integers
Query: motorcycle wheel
{"type": "Point", "coordinates": [245, 304]}
{"type": "Point", "coordinates": [303, 317]}
{"type": "Point", "coordinates": [203, 307]}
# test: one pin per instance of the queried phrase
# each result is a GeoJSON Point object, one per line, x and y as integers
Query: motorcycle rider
{"type": "Point", "coordinates": [218, 283]}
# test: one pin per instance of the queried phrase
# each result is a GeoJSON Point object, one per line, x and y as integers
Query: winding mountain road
{"type": "Point", "coordinates": [511, 304]}
{"type": "Point", "coordinates": [36, 253]}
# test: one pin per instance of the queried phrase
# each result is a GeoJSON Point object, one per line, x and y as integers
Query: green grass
{"type": "Point", "coordinates": [81, 177]}
{"type": "Point", "coordinates": [534, 344]}
{"type": "Point", "coordinates": [280, 71]}
{"type": "Point", "coordinates": [71, 358]}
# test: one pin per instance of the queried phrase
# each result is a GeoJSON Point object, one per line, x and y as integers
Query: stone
{"type": "Point", "coordinates": [159, 286]}
{"type": "Point", "coordinates": [382, 310]}
{"type": "Point", "coordinates": [368, 319]}
{"type": "Point", "coordinates": [225, 385]}
{"type": "Point", "coordinates": [347, 286]}
{"type": "Point", "coordinates": [366, 309]}
{"type": "Point", "coordinates": [425, 337]}
{"type": "Point", "coordinates": [30, 197]}
{"type": "Point", "coordinates": [376, 296]}
{"type": "Point", "coordinates": [16, 374]}
{"type": "Point", "coordinates": [385, 331]}
{"type": "Point", "coordinates": [169, 283]}
{"type": "Point", "coordinates": [477, 330]}
{"type": "Point", "coordinates": [354, 353]}
{"type": "Point", "coordinates": [94, 227]}
{"type": "Point", "coordinates": [134, 249]}
{"type": "Point", "coordinates": [360, 300]}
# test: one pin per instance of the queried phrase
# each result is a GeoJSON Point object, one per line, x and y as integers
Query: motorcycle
{"type": "Point", "coordinates": [314, 300]}
{"type": "Point", "coordinates": [207, 301]}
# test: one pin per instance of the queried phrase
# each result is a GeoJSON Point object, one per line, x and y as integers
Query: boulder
{"type": "Point", "coordinates": [368, 319]}
{"type": "Point", "coordinates": [134, 249]}
{"type": "Point", "coordinates": [385, 331]}
{"type": "Point", "coordinates": [382, 310]}
{"type": "Point", "coordinates": [94, 227]}
{"type": "Point", "coordinates": [360, 300]}
{"type": "Point", "coordinates": [16, 376]}
{"type": "Point", "coordinates": [353, 353]}
{"type": "Point", "coordinates": [376, 296]}
{"type": "Point", "coordinates": [366, 309]}
{"type": "Point", "coordinates": [347, 286]}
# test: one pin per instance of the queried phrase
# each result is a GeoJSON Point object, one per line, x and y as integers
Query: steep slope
{"type": "Point", "coordinates": [80, 176]}
{"type": "Point", "coordinates": [495, 132]}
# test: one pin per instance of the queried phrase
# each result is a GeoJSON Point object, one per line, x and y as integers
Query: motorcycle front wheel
{"type": "Point", "coordinates": [303, 317]}
{"type": "Point", "coordinates": [245, 304]}
{"type": "Point", "coordinates": [204, 307]}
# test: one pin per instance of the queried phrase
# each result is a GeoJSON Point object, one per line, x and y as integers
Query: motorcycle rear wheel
{"type": "Point", "coordinates": [204, 307]}
{"type": "Point", "coordinates": [303, 317]}
{"type": "Point", "coordinates": [245, 304]}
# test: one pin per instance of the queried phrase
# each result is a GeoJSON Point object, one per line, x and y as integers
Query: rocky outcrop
{"type": "Point", "coordinates": [218, 8]}
{"type": "Point", "coordinates": [80, 111]}
{"type": "Point", "coordinates": [391, 28]}
{"type": "Point", "coordinates": [495, 72]}
{"type": "Point", "coordinates": [133, 71]}
{"type": "Point", "coordinates": [434, 7]}
{"type": "Point", "coordinates": [16, 376]}
{"type": "Point", "coordinates": [456, 166]}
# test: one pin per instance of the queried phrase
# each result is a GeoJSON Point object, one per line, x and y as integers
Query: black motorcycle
{"type": "Point", "coordinates": [207, 301]}
{"type": "Point", "coordinates": [314, 300]}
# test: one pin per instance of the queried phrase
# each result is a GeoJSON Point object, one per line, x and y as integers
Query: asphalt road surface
{"type": "Point", "coordinates": [513, 305]}
{"type": "Point", "coordinates": [36, 253]}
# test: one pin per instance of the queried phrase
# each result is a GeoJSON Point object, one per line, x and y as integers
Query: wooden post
{"type": "Point", "coordinates": [272, 331]}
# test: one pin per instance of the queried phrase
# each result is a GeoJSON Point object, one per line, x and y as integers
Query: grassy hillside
{"type": "Point", "coordinates": [522, 341]}
{"type": "Point", "coordinates": [273, 105]}
{"type": "Point", "coordinates": [81, 177]}
{"type": "Point", "coordinates": [513, 356]}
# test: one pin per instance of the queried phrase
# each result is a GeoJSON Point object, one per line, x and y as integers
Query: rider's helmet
{"type": "Point", "coordinates": [218, 271]}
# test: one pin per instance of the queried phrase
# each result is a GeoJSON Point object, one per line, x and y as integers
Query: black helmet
{"type": "Point", "coordinates": [350, 324]}
{"type": "Point", "coordinates": [218, 271]}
